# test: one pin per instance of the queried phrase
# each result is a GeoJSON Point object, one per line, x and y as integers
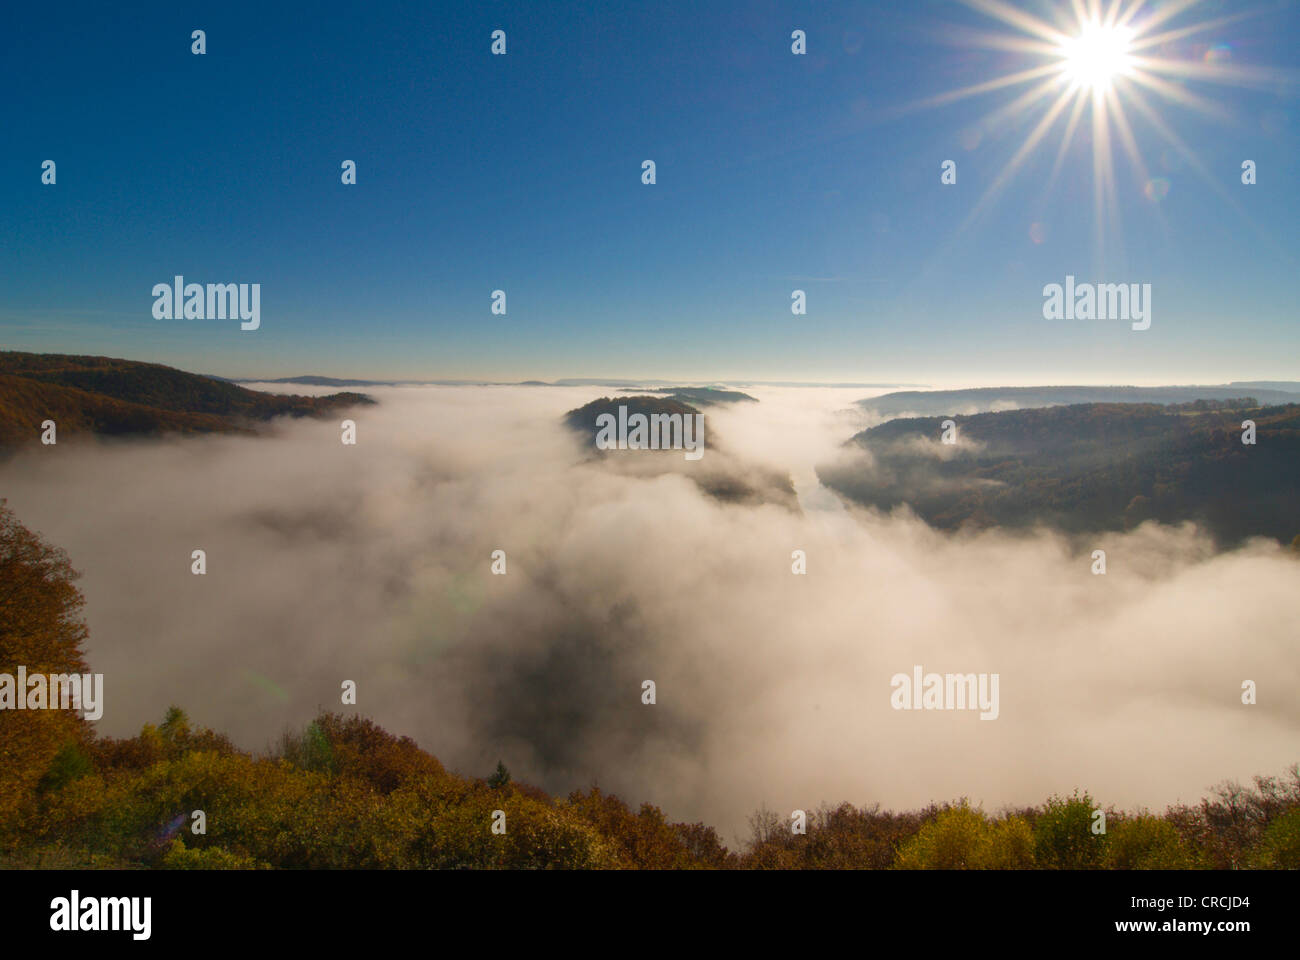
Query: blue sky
{"type": "Point", "coordinates": [523, 172]}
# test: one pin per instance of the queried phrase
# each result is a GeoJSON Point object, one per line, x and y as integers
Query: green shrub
{"type": "Point", "coordinates": [179, 857]}
{"type": "Point", "coordinates": [69, 764]}
{"type": "Point", "coordinates": [962, 838]}
{"type": "Point", "coordinates": [951, 841]}
{"type": "Point", "coordinates": [310, 751]}
{"type": "Point", "coordinates": [1147, 843]}
{"type": "Point", "coordinates": [1279, 849]}
{"type": "Point", "coordinates": [1011, 845]}
{"type": "Point", "coordinates": [1063, 837]}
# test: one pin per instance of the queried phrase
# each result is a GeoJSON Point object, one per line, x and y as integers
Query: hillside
{"type": "Point", "coordinates": [1086, 467]}
{"type": "Point", "coordinates": [944, 403]}
{"type": "Point", "coordinates": [111, 397]}
{"type": "Point", "coordinates": [719, 473]}
{"type": "Point", "coordinates": [583, 419]}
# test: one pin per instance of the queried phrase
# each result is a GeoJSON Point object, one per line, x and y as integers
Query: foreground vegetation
{"type": "Point", "coordinates": [346, 794]}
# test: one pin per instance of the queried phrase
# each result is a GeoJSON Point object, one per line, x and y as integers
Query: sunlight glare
{"type": "Point", "coordinates": [1099, 54]}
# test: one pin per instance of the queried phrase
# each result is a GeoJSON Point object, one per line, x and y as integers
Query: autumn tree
{"type": "Point", "coordinates": [41, 628]}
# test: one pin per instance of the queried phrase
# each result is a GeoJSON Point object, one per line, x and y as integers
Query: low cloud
{"type": "Point", "coordinates": [372, 563]}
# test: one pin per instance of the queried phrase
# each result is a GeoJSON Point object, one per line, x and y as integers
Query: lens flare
{"type": "Point", "coordinates": [1156, 189]}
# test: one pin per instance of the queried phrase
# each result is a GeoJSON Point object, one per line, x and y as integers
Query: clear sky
{"type": "Point", "coordinates": [522, 172]}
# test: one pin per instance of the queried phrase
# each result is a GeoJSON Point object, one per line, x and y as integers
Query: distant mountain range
{"type": "Point", "coordinates": [112, 397]}
{"type": "Point", "coordinates": [702, 396]}
{"type": "Point", "coordinates": [1087, 467]}
{"type": "Point", "coordinates": [316, 381]}
{"type": "Point", "coordinates": [654, 386]}
{"type": "Point", "coordinates": [935, 403]}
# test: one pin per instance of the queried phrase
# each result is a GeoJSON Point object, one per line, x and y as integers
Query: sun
{"type": "Point", "coordinates": [1097, 55]}
{"type": "Point", "coordinates": [1096, 70]}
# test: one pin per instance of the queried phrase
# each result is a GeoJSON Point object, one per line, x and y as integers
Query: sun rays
{"type": "Point", "coordinates": [1103, 70]}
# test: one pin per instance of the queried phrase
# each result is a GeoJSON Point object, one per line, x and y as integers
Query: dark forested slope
{"type": "Point", "coordinates": [1085, 467]}
{"type": "Point", "coordinates": [112, 397]}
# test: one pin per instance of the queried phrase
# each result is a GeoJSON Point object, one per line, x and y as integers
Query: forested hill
{"type": "Point", "coordinates": [112, 397]}
{"type": "Point", "coordinates": [584, 420]}
{"type": "Point", "coordinates": [933, 403]}
{"type": "Point", "coordinates": [721, 473]}
{"type": "Point", "coordinates": [1087, 467]}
